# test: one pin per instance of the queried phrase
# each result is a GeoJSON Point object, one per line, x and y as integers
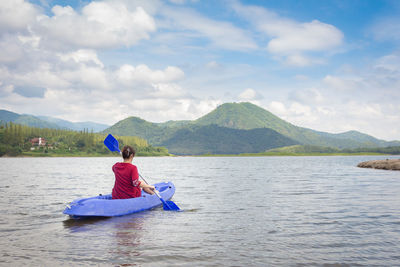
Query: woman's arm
{"type": "Point", "coordinates": [147, 188]}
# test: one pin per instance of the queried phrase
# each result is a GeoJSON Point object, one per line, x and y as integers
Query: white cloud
{"type": "Point", "coordinates": [291, 39]}
{"type": "Point", "coordinates": [221, 34]}
{"type": "Point", "coordinates": [389, 64]}
{"type": "Point", "coordinates": [172, 109]}
{"type": "Point", "coordinates": [299, 60]}
{"type": "Point", "coordinates": [99, 25]}
{"type": "Point", "coordinates": [83, 56]}
{"type": "Point", "coordinates": [142, 73]}
{"type": "Point", "coordinates": [342, 83]}
{"type": "Point", "coordinates": [10, 48]}
{"type": "Point", "coordinates": [294, 112]}
{"type": "Point", "coordinates": [16, 15]}
{"type": "Point", "coordinates": [178, 2]}
{"type": "Point", "coordinates": [297, 109]}
{"type": "Point", "coordinates": [249, 94]}
{"type": "Point", "coordinates": [311, 96]}
{"type": "Point", "coordinates": [163, 90]}
{"type": "Point", "coordinates": [366, 100]}
{"type": "Point", "coordinates": [77, 84]}
{"type": "Point", "coordinates": [213, 65]}
{"type": "Point", "coordinates": [387, 29]}
{"type": "Point", "coordinates": [278, 108]}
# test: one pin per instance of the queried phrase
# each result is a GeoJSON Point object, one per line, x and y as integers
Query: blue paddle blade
{"type": "Point", "coordinates": [169, 205]}
{"type": "Point", "coordinates": [111, 143]}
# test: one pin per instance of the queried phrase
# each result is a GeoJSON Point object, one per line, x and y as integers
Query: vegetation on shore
{"type": "Point", "coordinates": [17, 140]}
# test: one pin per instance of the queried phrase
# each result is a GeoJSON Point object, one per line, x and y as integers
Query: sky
{"type": "Point", "coordinates": [330, 65]}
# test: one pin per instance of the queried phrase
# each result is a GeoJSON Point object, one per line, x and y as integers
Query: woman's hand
{"type": "Point", "coordinates": [152, 188]}
{"type": "Point", "coordinates": [149, 189]}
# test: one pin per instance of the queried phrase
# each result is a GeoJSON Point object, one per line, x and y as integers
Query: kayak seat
{"type": "Point", "coordinates": [163, 188]}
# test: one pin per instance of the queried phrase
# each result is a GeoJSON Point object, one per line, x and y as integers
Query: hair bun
{"type": "Point", "coordinates": [127, 151]}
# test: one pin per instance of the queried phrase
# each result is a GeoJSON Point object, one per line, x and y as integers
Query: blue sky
{"type": "Point", "coordinates": [327, 65]}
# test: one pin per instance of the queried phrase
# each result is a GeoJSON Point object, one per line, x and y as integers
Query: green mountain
{"type": "Point", "coordinates": [186, 137]}
{"type": "Point", "coordinates": [244, 116]}
{"type": "Point", "coordinates": [48, 122]}
{"type": "Point", "coordinates": [250, 116]}
{"type": "Point", "coordinates": [213, 139]}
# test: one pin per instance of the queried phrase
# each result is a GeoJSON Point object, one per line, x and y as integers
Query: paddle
{"type": "Point", "coordinates": [112, 144]}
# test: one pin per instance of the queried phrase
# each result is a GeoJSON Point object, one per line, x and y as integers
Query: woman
{"type": "Point", "coordinates": [127, 184]}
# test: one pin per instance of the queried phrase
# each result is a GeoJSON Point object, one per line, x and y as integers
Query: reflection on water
{"type": "Point", "coordinates": [271, 211]}
{"type": "Point", "coordinates": [127, 236]}
{"type": "Point", "coordinates": [124, 234]}
{"type": "Point", "coordinates": [81, 224]}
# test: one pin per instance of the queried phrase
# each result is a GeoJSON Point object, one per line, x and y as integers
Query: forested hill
{"type": "Point", "coordinates": [239, 116]}
{"type": "Point", "coordinates": [213, 139]}
{"type": "Point", "coordinates": [250, 116]}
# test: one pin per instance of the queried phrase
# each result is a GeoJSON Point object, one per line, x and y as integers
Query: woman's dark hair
{"type": "Point", "coordinates": [127, 151]}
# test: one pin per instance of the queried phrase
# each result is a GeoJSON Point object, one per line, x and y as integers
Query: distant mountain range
{"type": "Point", "coordinates": [234, 128]}
{"type": "Point", "coordinates": [49, 122]}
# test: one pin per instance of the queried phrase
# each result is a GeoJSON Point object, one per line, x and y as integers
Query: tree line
{"type": "Point", "coordinates": [15, 139]}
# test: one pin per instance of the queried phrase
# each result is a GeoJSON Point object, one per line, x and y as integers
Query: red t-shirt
{"type": "Point", "coordinates": [126, 181]}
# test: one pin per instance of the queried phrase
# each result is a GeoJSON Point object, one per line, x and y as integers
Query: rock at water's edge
{"type": "Point", "coordinates": [386, 164]}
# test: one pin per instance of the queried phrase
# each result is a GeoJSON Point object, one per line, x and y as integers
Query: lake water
{"type": "Point", "coordinates": [239, 211]}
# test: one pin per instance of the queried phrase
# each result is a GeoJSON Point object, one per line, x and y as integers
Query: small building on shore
{"type": "Point", "coordinates": [38, 141]}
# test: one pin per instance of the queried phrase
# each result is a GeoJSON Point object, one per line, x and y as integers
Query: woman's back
{"type": "Point", "coordinates": [126, 181]}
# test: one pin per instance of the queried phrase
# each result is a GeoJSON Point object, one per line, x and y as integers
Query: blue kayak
{"type": "Point", "coordinates": [105, 206]}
